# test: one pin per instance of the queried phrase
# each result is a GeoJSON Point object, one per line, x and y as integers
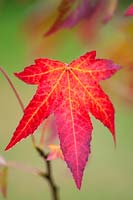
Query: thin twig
{"type": "Point", "coordinates": [17, 96]}
{"type": "Point", "coordinates": [25, 168]}
{"type": "Point", "coordinates": [13, 88]}
{"type": "Point", "coordinates": [48, 175]}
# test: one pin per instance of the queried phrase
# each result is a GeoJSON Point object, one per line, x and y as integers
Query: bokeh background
{"type": "Point", "coordinates": [109, 172]}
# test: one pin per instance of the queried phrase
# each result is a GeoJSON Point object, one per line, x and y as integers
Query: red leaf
{"type": "Point", "coordinates": [69, 92]}
{"type": "Point", "coordinates": [129, 11]}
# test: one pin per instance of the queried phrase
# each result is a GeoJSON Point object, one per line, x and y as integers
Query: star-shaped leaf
{"type": "Point", "coordinates": [70, 92]}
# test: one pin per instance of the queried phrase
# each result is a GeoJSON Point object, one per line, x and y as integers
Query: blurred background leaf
{"type": "Point", "coordinates": [3, 180]}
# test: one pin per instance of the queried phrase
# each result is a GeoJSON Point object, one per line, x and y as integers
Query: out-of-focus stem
{"type": "Point", "coordinates": [17, 96]}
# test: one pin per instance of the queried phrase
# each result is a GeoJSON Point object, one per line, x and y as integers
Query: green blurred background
{"type": "Point", "coordinates": [109, 172]}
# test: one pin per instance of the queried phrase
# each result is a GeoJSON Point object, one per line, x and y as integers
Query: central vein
{"type": "Point", "coordinates": [72, 118]}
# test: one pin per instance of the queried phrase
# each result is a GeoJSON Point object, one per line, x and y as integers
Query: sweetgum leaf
{"type": "Point", "coordinates": [70, 92]}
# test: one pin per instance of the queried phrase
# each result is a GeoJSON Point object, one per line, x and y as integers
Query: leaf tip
{"type": "Point", "coordinates": [7, 147]}
{"type": "Point", "coordinates": [112, 130]}
{"type": "Point", "coordinates": [16, 74]}
{"type": "Point", "coordinates": [78, 184]}
{"type": "Point", "coordinates": [114, 139]}
{"type": "Point", "coordinates": [92, 54]}
{"type": "Point", "coordinates": [10, 144]}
